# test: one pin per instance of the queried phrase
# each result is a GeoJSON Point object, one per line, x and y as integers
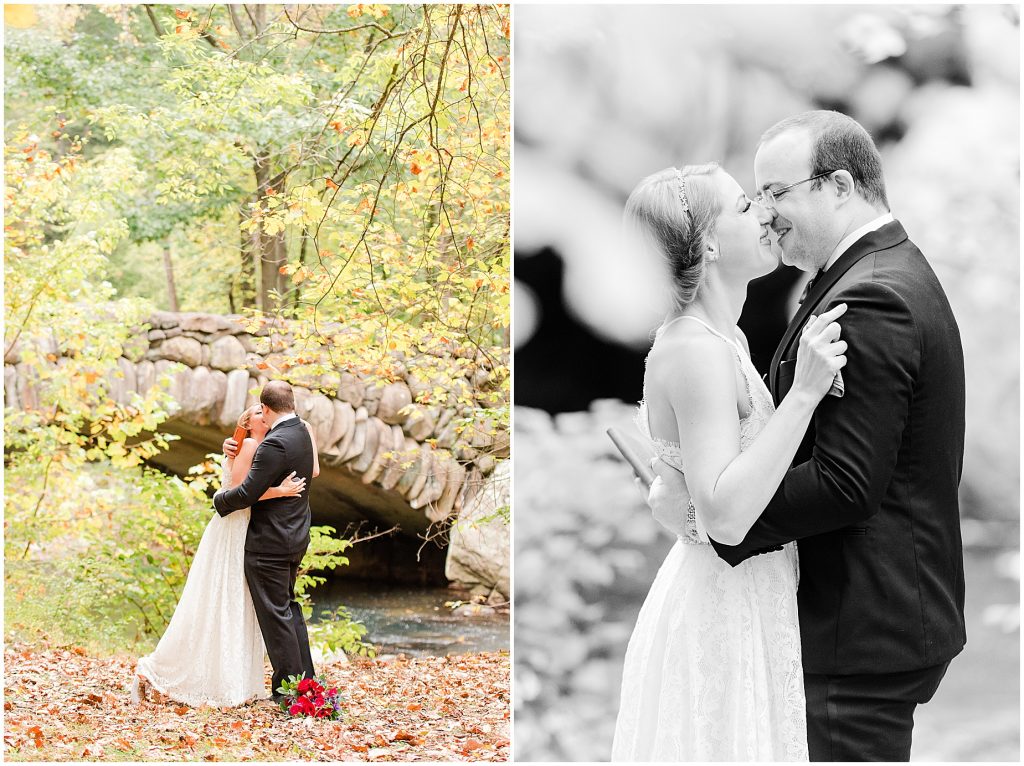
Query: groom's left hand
{"type": "Point", "coordinates": [669, 496]}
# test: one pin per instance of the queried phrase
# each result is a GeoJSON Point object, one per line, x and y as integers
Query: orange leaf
{"type": "Point", "coordinates": [415, 169]}
{"type": "Point", "coordinates": [181, 14]}
{"type": "Point", "coordinates": [283, 270]}
{"type": "Point", "coordinates": [270, 191]}
{"type": "Point", "coordinates": [414, 706]}
{"type": "Point", "coordinates": [331, 184]}
{"type": "Point", "coordinates": [181, 709]}
{"type": "Point", "coordinates": [470, 243]}
{"type": "Point", "coordinates": [262, 365]}
{"type": "Point", "coordinates": [177, 29]}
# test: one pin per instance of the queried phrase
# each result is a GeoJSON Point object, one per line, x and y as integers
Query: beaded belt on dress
{"type": "Point", "coordinates": [691, 537]}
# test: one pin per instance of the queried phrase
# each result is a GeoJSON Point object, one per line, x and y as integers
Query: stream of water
{"type": "Point", "coordinates": [413, 621]}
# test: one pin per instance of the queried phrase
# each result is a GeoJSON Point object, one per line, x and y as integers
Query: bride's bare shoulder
{"type": "Point", "coordinates": [688, 352]}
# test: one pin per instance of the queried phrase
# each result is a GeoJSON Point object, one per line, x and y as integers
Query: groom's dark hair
{"type": "Point", "coordinates": [278, 396]}
{"type": "Point", "coordinates": [839, 142]}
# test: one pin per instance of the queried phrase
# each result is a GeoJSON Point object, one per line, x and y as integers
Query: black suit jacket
{"type": "Point", "coordinates": [280, 525]}
{"type": "Point", "coordinates": [872, 494]}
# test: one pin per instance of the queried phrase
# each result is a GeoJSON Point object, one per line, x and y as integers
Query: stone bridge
{"type": "Point", "coordinates": [385, 459]}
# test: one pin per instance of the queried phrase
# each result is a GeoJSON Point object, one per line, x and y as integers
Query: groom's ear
{"type": "Point", "coordinates": [845, 186]}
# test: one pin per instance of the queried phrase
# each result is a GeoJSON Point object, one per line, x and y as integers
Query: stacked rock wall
{"type": "Point", "coordinates": [381, 449]}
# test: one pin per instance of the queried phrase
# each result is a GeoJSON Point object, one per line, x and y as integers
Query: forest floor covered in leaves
{"type": "Point", "coordinates": [61, 704]}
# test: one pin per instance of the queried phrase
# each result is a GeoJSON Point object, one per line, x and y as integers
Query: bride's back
{"type": "Point", "coordinates": [676, 345]}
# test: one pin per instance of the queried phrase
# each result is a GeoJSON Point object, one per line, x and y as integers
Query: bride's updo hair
{"type": "Point", "coordinates": [244, 418]}
{"type": "Point", "coordinates": [674, 211]}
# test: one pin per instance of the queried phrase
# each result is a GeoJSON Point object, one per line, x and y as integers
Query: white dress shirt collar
{"type": "Point", "coordinates": [281, 419]}
{"type": "Point", "coordinates": [856, 234]}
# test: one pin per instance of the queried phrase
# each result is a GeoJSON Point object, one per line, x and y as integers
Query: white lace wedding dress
{"type": "Point", "coordinates": [712, 671]}
{"type": "Point", "coordinates": [212, 651]}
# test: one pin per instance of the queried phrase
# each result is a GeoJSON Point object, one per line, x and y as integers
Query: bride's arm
{"type": "Point", "coordinates": [729, 488]}
{"type": "Point", "coordinates": [316, 456]}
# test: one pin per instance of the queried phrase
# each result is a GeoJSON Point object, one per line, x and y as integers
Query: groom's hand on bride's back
{"type": "Point", "coordinates": [668, 496]}
{"type": "Point", "coordinates": [230, 447]}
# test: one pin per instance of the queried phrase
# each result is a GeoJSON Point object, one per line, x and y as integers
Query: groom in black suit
{"type": "Point", "coordinates": [278, 533]}
{"type": "Point", "coordinates": [872, 494]}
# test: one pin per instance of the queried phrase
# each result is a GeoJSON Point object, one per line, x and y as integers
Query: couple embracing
{"type": "Point", "coordinates": [239, 599]}
{"type": "Point", "coordinates": [815, 595]}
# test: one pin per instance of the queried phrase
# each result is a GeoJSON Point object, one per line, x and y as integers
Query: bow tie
{"type": "Point", "coordinates": [809, 285]}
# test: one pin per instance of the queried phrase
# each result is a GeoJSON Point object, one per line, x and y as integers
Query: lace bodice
{"type": "Point", "coordinates": [687, 525]}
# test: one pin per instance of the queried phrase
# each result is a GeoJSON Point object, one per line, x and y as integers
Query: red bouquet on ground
{"type": "Point", "coordinates": [310, 698]}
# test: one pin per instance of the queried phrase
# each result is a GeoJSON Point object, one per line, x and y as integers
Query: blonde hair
{"type": "Point", "coordinates": [678, 231]}
{"type": "Point", "coordinates": [245, 417]}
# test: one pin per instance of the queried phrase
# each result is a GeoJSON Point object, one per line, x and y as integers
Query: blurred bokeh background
{"type": "Point", "coordinates": [605, 95]}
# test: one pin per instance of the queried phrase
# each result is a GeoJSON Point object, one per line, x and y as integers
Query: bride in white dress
{"type": "Point", "coordinates": [212, 651]}
{"type": "Point", "coordinates": [712, 671]}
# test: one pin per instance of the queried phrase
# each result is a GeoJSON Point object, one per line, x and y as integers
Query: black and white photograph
{"type": "Point", "coordinates": [767, 381]}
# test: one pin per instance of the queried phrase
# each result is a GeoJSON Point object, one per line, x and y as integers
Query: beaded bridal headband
{"type": "Point", "coordinates": [682, 190]}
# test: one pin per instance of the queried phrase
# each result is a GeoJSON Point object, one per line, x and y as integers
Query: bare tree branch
{"type": "Point", "coordinates": [154, 20]}
{"type": "Point", "coordinates": [342, 30]}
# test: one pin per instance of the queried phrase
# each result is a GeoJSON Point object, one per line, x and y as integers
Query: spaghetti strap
{"type": "Point", "coordinates": [706, 326]}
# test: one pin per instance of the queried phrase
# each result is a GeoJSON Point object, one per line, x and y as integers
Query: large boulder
{"type": "Point", "coordinates": [393, 399]}
{"type": "Point", "coordinates": [236, 392]}
{"type": "Point", "coordinates": [227, 354]}
{"type": "Point", "coordinates": [181, 349]}
{"type": "Point", "coordinates": [480, 543]}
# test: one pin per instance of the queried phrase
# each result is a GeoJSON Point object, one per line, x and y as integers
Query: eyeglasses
{"type": "Point", "coordinates": [768, 197]}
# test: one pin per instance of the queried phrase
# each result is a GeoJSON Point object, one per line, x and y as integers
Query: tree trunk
{"type": "Point", "coordinates": [172, 294]}
{"type": "Point", "coordinates": [275, 255]}
{"type": "Point", "coordinates": [271, 249]}
{"type": "Point", "coordinates": [304, 241]}
{"type": "Point", "coordinates": [246, 278]}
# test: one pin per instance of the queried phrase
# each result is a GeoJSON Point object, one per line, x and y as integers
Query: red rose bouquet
{"type": "Point", "coordinates": [308, 697]}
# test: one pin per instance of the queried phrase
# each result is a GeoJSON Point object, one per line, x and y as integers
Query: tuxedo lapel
{"type": "Point", "coordinates": [887, 236]}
